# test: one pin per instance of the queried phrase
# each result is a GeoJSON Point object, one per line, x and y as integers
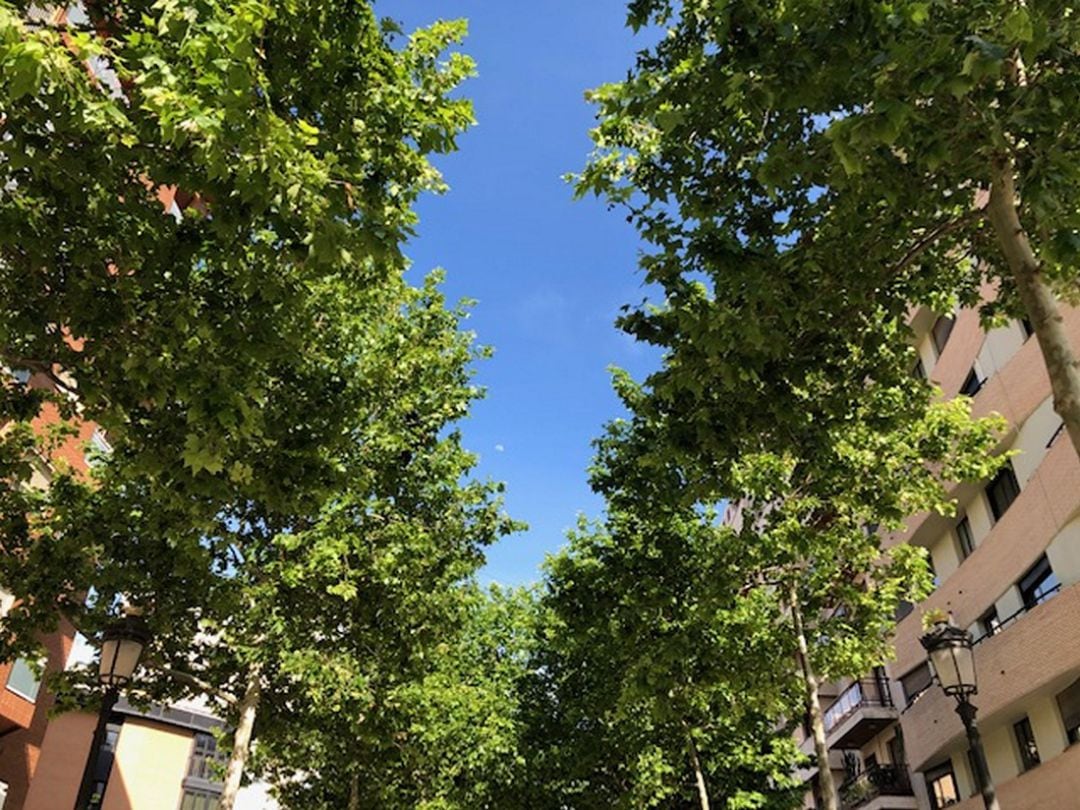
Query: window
{"type": "Point", "coordinates": [989, 623]}
{"type": "Point", "coordinates": [943, 327]}
{"type": "Point", "coordinates": [1039, 584]}
{"type": "Point", "coordinates": [204, 754]}
{"type": "Point", "coordinates": [973, 383]}
{"type": "Point", "coordinates": [916, 682]}
{"type": "Point", "coordinates": [941, 785]}
{"type": "Point", "coordinates": [903, 610]}
{"type": "Point", "coordinates": [199, 800]}
{"type": "Point", "coordinates": [202, 786]}
{"type": "Point", "coordinates": [22, 680]}
{"type": "Point", "coordinates": [965, 540]}
{"type": "Point", "coordinates": [1025, 741]}
{"type": "Point", "coordinates": [933, 571]}
{"type": "Point", "coordinates": [1026, 328]}
{"type": "Point", "coordinates": [1069, 706]}
{"type": "Point", "coordinates": [896, 748]}
{"type": "Point", "coordinates": [919, 370]}
{"type": "Point", "coordinates": [1002, 491]}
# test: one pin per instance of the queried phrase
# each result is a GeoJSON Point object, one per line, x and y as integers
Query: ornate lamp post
{"type": "Point", "coordinates": [122, 646]}
{"type": "Point", "coordinates": [953, 662]}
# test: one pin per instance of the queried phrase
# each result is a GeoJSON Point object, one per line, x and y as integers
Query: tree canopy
{"type": "Point", "coordinates": [806, 171]}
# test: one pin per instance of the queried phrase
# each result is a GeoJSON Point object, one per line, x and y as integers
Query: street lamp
{"type": "Point", "coordinates": [953, 661]}
{"type": "Point", "coordinates": [122, 645]}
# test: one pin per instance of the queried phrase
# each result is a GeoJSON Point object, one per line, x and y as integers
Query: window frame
{"type": "Point", "coordinates": [1033, 584]}
{"type": "Point", "coordinates": [1068, 703]}
{"type": "Point", "coordinates": [1006, 477]}
{"type": "Point", "coordinates": [965, 537]}
{"type": "Point", "coordinates": [941, 341]}
{"type": "Point", "coordinates": [989, 622]}
{"type": "Point", "coordinates": [935, 775]}
{"type": "Point", "coordinates": [924, 669]}
{"type": "Point", "coordinates": [973, 383]}
{"type": "Point", "coordinates": [18, 667]}
{"type": "Point", "coordinates": [1024, 737]}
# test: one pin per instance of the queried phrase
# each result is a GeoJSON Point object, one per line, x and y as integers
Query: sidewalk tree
{"type": "Point", "coordinates": [266, 611]}
{"type": "Point", "coordinates": [820, 165]}
{"type": "Point", "coordinates": [202, 220]}
{"type": "Point", "coordinates": [445, 737]}
{"type": "Point", "coordinates": [658, 683]}
{"type": "Point", "coordinates": [808, 543]}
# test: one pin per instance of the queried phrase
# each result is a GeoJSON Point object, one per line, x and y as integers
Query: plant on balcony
{"type": "Point", "coordinates": [933, 617]}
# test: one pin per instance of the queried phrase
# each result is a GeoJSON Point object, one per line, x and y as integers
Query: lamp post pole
{"type": "Point", "coordinates": [953, 659]}
{"type": "Point", "coordinates": [967, 712]}
{"type": "Point", "coordinates": [122, 645]}
{"type": "Point", "coordinates": [86, 787]}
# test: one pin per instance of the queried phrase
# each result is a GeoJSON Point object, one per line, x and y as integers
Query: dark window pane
{"type": "Point", "coordinates": [1025, 741]}
{"type": "Point", "coordinates": [1069, 706]}
{"type": "Point", "coordinates": [972, 384]}
{"type": "Point", "coordinates": [964, 537]}
{"type": "Point", "coordinates": [1002, 491]}
{"type": "Point", "coordinates": [896, 748]}
{"type": "Point", "coordinates": [943, 327]}
{"type": "Point", "coordinates": [1039, 584]}
{"type": "Point", "coordinates": [916, 682]}
{"type": "Point", "coordinates": [919, 370]}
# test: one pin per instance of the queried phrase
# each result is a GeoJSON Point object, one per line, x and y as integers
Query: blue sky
{"type": "Point", "coordinates": [549, 273]}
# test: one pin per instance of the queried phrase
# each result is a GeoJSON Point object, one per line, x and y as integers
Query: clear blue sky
{"type": "Point", "coordinates": [549, 273]}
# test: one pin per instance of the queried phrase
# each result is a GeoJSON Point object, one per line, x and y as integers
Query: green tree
{"type": "Point", "coordinates": [823, 165]}
{"type": "Point", "coordinates": [287, 617]}
{"type": "Point", "coordinates": [807, 549]}
{"type": "Point", "coordinates": [201, 228]}
{"type": "Point", "coordinates": [656, 678]}
{"type": "Point", "coordinates": [446, 737]}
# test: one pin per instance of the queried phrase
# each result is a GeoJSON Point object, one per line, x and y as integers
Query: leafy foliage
{"type": "Point", "coordinates": [202, 217]}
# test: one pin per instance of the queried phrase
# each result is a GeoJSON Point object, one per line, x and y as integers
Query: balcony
{"type": "Point", "coordinates": [1037, 652]}
{"type": "Point", "coordinates": [881, 786]}
{"type": "Point", "coordinates": [860, 713]}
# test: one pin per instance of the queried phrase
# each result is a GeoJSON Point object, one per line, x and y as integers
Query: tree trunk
{"type": "Point", "coordinates": [1038, 299]}
{"type": "Point", "coordinates": [699, 774]}
{"type": "Point", "coordinates": [813, 708]}
{"type": "Point", "coordinates": [245, 724]}
{"type": "Point", "coordinates": [354, 792]}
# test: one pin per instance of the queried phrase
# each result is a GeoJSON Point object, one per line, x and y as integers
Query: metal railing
{"type": "Point", "coordinates": [1044, 597]}
{"type": "Point", "coordinates": [867, 692]}
{"type": "Point", "coordinates": [878, 780]}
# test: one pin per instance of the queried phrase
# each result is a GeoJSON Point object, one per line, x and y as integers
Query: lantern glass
{"type": "Point", "coordinates": [953, 660]}
{"type": "Point", "coordinates": [121, 649]}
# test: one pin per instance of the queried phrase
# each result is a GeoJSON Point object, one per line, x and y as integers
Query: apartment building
{"type": "Point", "coordinates": [165, 758]}
{"type": "Point", "coordinates": [1007, 568]}
{"type": "Point", "coordinates": [24, 702]}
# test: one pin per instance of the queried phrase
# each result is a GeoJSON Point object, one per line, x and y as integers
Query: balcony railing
{"type": "Point", "coordinates": [1011, 619]}
{"type": "Point", "coordinates": [878, 780]}
{"type": "Point", "coordinates": [859, 694]}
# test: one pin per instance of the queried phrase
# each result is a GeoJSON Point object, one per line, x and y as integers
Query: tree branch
{"type": "Point", "coordinates": [193, 681]}
{"type": "Point", "coordinates": [924, 244]}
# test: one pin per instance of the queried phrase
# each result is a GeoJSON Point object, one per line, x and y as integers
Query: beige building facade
{"type": "Point", "coordinates": [163, 759]}
{"type": "Point", "coordinates": [1007, 568]}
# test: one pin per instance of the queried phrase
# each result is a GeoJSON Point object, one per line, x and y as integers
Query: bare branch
{"type": "Point", "coordinates": [927, 242]}
{"type": "Point", "coordinates": [191, 680]}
